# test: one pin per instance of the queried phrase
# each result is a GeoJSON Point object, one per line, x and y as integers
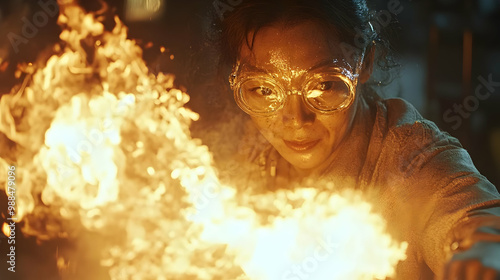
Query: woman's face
{"type": "Point", "coordinates": [305, 138]}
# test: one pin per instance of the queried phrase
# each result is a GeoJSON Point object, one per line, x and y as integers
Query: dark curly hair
{"type": "Point", "coordinates": [350, 20]}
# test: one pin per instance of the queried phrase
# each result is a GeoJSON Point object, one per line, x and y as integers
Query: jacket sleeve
{"type": "Point", "coordinates": [455, 205]}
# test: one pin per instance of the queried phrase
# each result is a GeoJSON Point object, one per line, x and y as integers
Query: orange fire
{"type": "Point", "coordinates": [106, 145]}
{"type": "Point", "coordinates": [6, 229]}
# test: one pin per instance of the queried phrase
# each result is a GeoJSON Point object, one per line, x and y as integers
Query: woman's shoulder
{"type": "Point", "coordinates": [407, 138]}
{"type": "Point", "coordinates": [401, 120]}
{"type": "Point", "coordinates": [398, 112]}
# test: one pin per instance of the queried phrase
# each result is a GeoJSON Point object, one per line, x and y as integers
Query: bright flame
{"type": "Point", "coordinates": [107, 144]}
{"type": "Point", "coordinates": [6, 229]}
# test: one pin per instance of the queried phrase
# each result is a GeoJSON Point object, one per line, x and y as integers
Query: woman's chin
{"type": "Point", "coordinates": [306, 160]}
{"type": "Point", "coordinates": [306, 165]}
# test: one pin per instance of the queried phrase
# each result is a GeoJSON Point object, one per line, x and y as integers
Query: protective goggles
{"type": "Point", "coordinates": [324, 90]}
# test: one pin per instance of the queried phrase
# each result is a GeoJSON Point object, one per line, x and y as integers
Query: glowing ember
{"type": "Point", "coordinates": [104, 144]}
{"type": "Point", "coordinates": [6, 229]}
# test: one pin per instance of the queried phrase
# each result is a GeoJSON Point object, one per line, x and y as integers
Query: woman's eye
{"type": "Point", "coordinates": [263, 90]}
{"type": "Point", "coordinates": [324, 86]}
{"type": "Point", "coordinates": [331, 86]}
{"type": "Point", "coordinates": [329, 90]}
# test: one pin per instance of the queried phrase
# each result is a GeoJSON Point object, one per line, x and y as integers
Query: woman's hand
{"type": "Point", "coordinates": [479, 262]}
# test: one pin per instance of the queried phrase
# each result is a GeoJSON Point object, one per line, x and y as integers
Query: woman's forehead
{"type": "Point", "coordinates": [300, 47]}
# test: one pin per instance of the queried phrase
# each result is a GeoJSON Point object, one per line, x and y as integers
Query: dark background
{"type": "Point", "coordinates": [444, 46]}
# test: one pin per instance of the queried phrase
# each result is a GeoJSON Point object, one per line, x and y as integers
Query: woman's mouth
{"type": "Point", "coordinates": [301, 146]}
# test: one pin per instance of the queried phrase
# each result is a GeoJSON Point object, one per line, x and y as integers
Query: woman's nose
{"type": "Point", "coordinates": [295, 112]}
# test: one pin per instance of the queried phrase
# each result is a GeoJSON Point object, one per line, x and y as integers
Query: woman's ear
{"type": "Point", "coordinates": [367, 67]}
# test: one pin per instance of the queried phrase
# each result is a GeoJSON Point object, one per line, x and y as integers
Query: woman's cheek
{"type": "Point", "coordinates": [268, 126]}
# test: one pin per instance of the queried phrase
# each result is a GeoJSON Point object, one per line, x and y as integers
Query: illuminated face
{"type": "Point", "coordinates": [305, 137]}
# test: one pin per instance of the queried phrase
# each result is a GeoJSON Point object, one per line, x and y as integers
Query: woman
{"type": "Point", "coordinates": [301, 71]}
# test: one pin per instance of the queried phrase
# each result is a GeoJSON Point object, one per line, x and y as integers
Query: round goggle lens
{"type": "Point", "coordinates": [260, 95]}
{"type": "Point", "coordinates": [329, 92]}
